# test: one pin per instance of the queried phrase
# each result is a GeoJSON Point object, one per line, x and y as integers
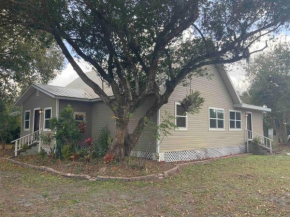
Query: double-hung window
{"type": "Point", "coordinates": [235, 120]}
{"type": "Point", "coordinates": [27, 120]}
{"type": "Point", "coordinates": [180, 117]}
{"type": "Point", "coordinates": [47, 117]}
{"type": "Point", "coordinates": [216, 119]}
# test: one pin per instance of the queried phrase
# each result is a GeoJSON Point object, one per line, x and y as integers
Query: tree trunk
{"type": "Point", "coordinates": [281, 130]}
{"type": "Point", "coordinates": [118, 146]}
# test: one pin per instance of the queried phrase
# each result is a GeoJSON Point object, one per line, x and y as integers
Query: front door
{"type": "Point", "coordinates": [36, 120]}
{"type": "Point", "coordinates": [249, 126]}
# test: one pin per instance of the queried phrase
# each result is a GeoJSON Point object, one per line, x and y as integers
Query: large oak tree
{"type": "Point", "coordinates": [139, 47]}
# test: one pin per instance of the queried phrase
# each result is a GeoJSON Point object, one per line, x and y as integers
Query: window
{"type": "Point", "coordinates": [80, 116]}
{"type": "Point", "coordinates": [235, 120]}
{"type": "Point", "coordinates": [27, 120]}
{"type": "Point", "coordinates": [216, 118]}
{"type": "Point", "coordinates": [180, 117]}
{"type": "Point", "coordinates": [47, 117]}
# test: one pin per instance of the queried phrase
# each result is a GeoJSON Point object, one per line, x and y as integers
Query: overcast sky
{"type": "Point", "coordinates": [236, 71]}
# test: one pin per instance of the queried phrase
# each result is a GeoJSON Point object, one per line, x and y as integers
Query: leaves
{"type": "Point", "coordinates": [192, 103]}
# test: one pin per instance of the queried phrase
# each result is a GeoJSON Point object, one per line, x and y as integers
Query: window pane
{"type": "Point", "coordinates": [238, 125]}
{"type": "Point", "coordinates": [27, 115]}
{"type": "Point", "coordinates": [80, 117]}
{"type": "Point", "coordinates": [232, 115]}
{"type": "Point", "coordinates": [181, 122]}
{"type": "Point", "coordinates": [48, 113]}
{"type": "Point", "coordinates": [47, 124]}
{"type": "Point", "coordinates": [212, 113]}
{"type": "Point", "coordinates": [26, 124]}
{"type": "Point", "coordinates": [232, 124]}
{"type": "Point", "coordinates": [220, 114]}
{"type": "Point", "coordinates": [238, 116]}
{"type": "Point", "coordinates": [220, 124]}
{"type": "Point", "coordinates": [180, 111]}
{"type": "Point", "coordinates": [212, 123]}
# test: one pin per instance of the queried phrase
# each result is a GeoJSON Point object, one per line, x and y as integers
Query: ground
{"type": "Point", "coordinates": [239, 186]}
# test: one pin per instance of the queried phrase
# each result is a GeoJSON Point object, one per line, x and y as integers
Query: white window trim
{"type": "Point", "coordinates": [25, 129]}
{"type": "Point", "coordinates": [175, 115]}
{"type": "Point", "coordinates": [44, 118]}
{"type": "Point", "coordinates": [216, 129]}
{"type": "Point", "coordinates": [83, 113]}
{"type": "Point", "coordinates": [234, 129]}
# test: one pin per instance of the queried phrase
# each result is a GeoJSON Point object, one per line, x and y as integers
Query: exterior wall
{"type": "Point", "coordinates": [198, 135]}
{"type": "Point", "coordinates": [103, 116]}
{"type": "Point", "coordinates": [80, 107]}
{"type": "Point", "coordinates": [41, 101]}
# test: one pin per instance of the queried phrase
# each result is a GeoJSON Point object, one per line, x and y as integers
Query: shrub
{"type": "Point", "coordinates": [102, 143]}
{"type": "Point", "coordinates": [83, 152]}
{"type": "Point", "coordinates": [67, 151]}
{"type": "Point", "coordinates": [66, 130]}
{"type": "Point", "coordinates": [42, 153]}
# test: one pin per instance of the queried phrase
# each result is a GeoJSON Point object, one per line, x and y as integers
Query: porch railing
{"type": "Point", "coordinates": [264, 141]}
{"type": "Point", "coordinates": [26, 141]}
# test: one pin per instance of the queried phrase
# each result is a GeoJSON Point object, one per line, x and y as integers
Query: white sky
{"type": "Point", "coordinates": [236, 70]}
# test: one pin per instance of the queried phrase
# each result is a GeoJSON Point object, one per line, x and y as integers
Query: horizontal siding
{"type": "Point", "coordinates": [103, 116]}
{"type": "Point", "coordinates": [40, 101]}
{"type": "Point", "coordinates": [80, 107]}
{"type": "Point", "coordinates": [198, 134]}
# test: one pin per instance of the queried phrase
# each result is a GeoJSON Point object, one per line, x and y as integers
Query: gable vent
{"type": "Point", "coordinates": [37, 92]}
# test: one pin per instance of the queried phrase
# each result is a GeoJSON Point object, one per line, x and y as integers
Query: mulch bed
{"type": "Point", "coordinates": [130, 167]}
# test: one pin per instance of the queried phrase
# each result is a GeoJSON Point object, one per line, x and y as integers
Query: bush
{"type": "Point", "coordinates": [67, 151]}
{"type": "Point", "coordinates": [102, 143]}
{"type": "Point", "coordinates": [66, 130]}
{"type": "Point", "coordinates": [42, 153]}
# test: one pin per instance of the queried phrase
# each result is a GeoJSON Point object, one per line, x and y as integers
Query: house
{"type": "Point", "coordinates": [222, 127]}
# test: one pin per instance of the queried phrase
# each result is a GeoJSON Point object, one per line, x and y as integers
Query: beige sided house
{"type": "Point", "coordinates": [222, 127]}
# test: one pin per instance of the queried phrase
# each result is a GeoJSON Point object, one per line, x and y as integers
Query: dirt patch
{"type": "Point", "coordinates": [130, 167]}
{"type": "Point", "coordinates": [7, 152]}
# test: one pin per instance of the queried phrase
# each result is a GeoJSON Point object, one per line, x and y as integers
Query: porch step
{"type": "Point", "coordinates": [29, 147]}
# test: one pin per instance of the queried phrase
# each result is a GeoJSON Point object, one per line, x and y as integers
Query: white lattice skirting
{"type": "Point", "coordinates": [197, 154]}
{"type": "Point", "coordinates": [147, 155]}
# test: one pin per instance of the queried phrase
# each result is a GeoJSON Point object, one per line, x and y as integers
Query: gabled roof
{"type": "Point", "coordinates": [79, 91]}
{"type": "Point", "coordinates": [58, 93]}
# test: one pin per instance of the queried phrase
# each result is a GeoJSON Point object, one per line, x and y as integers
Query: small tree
{"type": "Point", "coordinates": [8, 123]}
{"type": "Point", "coordinates": [66, 130]}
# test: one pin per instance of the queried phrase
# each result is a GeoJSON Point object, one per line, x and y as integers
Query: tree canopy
{"type": "Point", "coordinates": [270, 85]}
{"type": "Point", "coordinates": [146, 48]}
{"type": "Point", "coordinates": [26, 56]}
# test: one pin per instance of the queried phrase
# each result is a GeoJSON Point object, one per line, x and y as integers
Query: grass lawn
{"type": "Point", "coordinates": [241, 186]}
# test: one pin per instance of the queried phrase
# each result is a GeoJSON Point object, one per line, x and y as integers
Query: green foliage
{"type": "Point", "coordinates": [102, 143]}
{"type": "Point", "coordinates": [166, 126]}
{"type": "Point", "coordinates": [83, 152]}
{"type": "Point", "coordinates": [42, 153]}
{"type": "Point", "coordinates": [67, 151]}
{"type": "Point", "coordinates": [66, 130]}
{"type": "Point", "coordinates": [9, 122]}
{"type": "Point", "coordinates": [26, 57]}
{"type": "Point", "coordinates": [192, 103]}
{"type": "Point", "coordinates": [270, 85]}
